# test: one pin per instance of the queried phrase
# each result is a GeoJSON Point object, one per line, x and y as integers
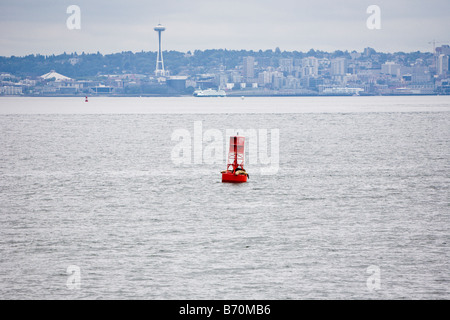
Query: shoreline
{"type": "Point", "coordinates": [227, 96]}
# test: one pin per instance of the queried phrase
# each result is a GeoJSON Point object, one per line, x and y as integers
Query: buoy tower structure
{"type": "Point", "coordinates": [235, 164]}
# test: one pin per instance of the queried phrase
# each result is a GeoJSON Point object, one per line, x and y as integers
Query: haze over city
{"type": "Point", "coordinates": [39, 27]}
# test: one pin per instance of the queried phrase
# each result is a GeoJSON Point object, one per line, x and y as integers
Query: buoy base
{"type": "Point", "coordinates": [231, 177]}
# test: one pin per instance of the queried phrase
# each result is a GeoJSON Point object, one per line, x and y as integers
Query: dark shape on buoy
{"type": "Point", "coordinates": [235, 167]}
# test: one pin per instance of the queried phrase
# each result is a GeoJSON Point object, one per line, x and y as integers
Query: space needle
{"type": "Point", "coordinates": [159, 71]}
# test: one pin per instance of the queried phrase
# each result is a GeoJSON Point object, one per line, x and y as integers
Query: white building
{"type": "Point", "coordinates": [11, 90]}
{"type": "Point", "coordinates": [55, 75]}
{"type": "Point", "coordinates": [287, 65]}
{"type": "Point", "coordinates": [339, 67]}
{"type": "Point", "coordinates": [264, 78]}
{"type": "Point", "coordinates": [310, 67]}
{"type": "Point", "coordinates": [391, 68]}
{"type": "Point", "coordinates": [442, 64]}
{"type": "Point", "coordinates": [248, 68]}
{"type": "Point", "coordinates": [340, 90]}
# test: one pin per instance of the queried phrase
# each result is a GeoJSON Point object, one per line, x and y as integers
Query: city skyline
{"type": "Point", "coordinates": [40, 28]}
{"type": "Point", "coordinates": [236, 72]}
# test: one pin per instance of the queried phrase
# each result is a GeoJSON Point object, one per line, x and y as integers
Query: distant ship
{"type": "Point", "coordinates": [209, 93]}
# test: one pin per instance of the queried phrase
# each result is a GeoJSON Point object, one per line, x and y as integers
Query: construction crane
{"type": "Point", "coordinates": [434, 42]}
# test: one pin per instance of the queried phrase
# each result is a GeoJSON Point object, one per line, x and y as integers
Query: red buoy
{"type": "Point", "coordinates": [235, 166]}
{"type": "Point", "coordinates": [86, 100]}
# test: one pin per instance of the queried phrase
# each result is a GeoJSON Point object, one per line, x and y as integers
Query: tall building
{"type": "Point", "coordinates": [438, 51]}
{"type": "Point", "coordinates": [339, 67]}
{"type": "Point", "coordinates": [310, 66]}
{"type": "Point", "coordinates": [442, 65]}
{"type": "Point", "coordinates": [159, 71]}
{"type": "Point", "coordinates": [248, 69]}
{"type": "Point", "coordinates": [391, 68]}
{"type": "Point", "coordinates": [287, 65]}
{"type": "Point", "coordinates": [444, 49]}
{"type": "Point", "coordinates": [264, 78]}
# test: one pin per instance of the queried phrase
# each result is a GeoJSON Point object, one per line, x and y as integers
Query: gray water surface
{"type": "Point", "coordinates": [356, 188]}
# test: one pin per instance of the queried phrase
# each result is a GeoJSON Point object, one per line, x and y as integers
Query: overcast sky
{"type": "Point", "coordinates": [108, 26]}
